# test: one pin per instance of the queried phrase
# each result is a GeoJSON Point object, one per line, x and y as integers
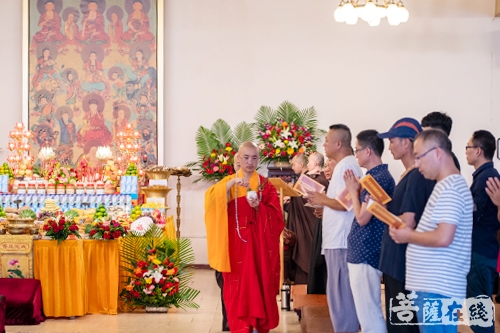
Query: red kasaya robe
{"type": "Point", "coordinates": [252, 275]}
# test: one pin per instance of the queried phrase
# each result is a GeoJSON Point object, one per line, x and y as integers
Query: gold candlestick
{"type": "Point", "coordinates": [185, 172]}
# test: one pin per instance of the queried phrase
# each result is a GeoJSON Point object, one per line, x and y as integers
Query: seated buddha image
{"type": "Point", "coordinates": [93, 24]}
{"type": "Point", "coordinates": [93, 80]}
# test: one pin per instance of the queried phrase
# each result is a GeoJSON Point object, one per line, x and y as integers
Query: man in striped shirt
{"type": "Point", "coordinates": [439, 250]}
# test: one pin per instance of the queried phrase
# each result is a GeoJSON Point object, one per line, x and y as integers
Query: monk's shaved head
{"type": "Point", "coordinates": [248, 144]}
{"type": "Point", "coordinates": [299, 163]}
{"type": "Point", "coordinates": [249, 157]}
{"type": "Point", "coordinates": [318, 158]}
{"type": "Point", "coordinates": [300, 158]}
{"type": "Point", "coordinates": [315, 164]}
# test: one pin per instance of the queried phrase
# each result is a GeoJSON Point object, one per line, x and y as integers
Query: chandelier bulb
{"type": "Point", "coordinates": [404, 15]}
{"type": "Point", "coordinates": [339, 14]}
{"type": "Point", "coordinates": [371, 11]}
{"type": "Point", "coordinates": [352, 20]}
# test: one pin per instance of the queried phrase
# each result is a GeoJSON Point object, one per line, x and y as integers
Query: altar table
{"type": "Point", "coordinates": [61, 271]}
{"type": "Point", "coordinates": [78, 276]}
{"type": "Point", "coordinates": [102, 262]}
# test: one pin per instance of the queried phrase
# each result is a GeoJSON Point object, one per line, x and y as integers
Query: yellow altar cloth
{"type": "Point", "coordinates": [102, 264]}
{"type": "Point", "coordinates": [61, 271]}
{"type": "Point", "coordinates": [170, 227]}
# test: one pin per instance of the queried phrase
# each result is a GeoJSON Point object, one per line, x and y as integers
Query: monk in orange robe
{"type": "Point", "coordinates": [244, 222]}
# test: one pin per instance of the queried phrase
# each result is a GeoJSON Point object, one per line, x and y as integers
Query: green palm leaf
{"type": "Point", "coordinates": [242, 133]}
{"type": "Point", "coordinates": [288, 112]}
{"type": "Point", "coordinates": [307, 117]}
{"type": "Point", "coordinates": [205, 141]}
{"type": "Point", "coordinates": [222, 132]}
{"type": "Point", "coordinates": [265, 115]}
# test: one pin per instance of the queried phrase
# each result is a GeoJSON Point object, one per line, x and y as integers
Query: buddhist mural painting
{"type": "Point", "coordinates": [92, 71]}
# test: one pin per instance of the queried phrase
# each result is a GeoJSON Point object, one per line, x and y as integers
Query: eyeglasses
{"type": "Point", "coordinates": [417, 159]}
{"type": "Point", "coordinates": [360, 149]}
{"type": "Point", "coordinates": [467, 147]}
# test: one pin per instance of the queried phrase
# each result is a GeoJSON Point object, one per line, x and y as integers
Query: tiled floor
{"type": "Point", "coordinates": [206, 319]}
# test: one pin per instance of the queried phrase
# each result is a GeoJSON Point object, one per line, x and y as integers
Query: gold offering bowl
{"type": "Point", "coordinates": [156, 191]}
{"type": "Point", "coordinates": [183, 171]}
{"type": "Point", "coordinates": [19, 229]}
{"type": "Point", "coordinates": [14, 222]}
{"type": "Point", "coordinates": [19, 226]}
{"type": "Point", "coordinates": [164, 174]}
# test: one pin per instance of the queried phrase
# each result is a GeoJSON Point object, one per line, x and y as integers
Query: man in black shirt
{"type": "Point", "coordinates": [479, 151]}
{"type": "Point", "coordinates": [443, 122]}
{"type": "Point", "coordinates": [408, 202]}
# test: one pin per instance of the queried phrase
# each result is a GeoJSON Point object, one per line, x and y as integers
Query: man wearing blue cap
{"type": "Point", "coordinates": [409, 200]}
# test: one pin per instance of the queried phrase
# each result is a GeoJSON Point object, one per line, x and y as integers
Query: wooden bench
{"type": "Point", "coordinates": [302, 300]}
{"type": "Point", "coordinates": [316, 319]}
{"type": "Point", "coordinates": [312, 310]}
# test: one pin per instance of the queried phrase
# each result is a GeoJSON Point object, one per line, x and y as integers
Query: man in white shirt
{"type": "Point", "coordinates": [337, 223]}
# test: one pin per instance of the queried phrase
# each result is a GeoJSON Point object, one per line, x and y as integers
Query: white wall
{"type": "Point", "coordinates": [226, 58]}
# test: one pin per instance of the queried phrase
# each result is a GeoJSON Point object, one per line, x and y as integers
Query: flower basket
{"type": "Point", "coordinates": [216, 148]}
{"type": "Point", "coordinates": [286, 132]}
{"type": "Point", "coordinates": [158, 278]}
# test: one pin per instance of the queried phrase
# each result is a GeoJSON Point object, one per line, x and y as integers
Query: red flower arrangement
{"type": "Point", "coordinates": [216, 148]}
{"type": "Point", "coordinates": [106, 230]}
{"type": "Point", "coordinates": [60, 228]}
{"type": "Point", "coordinates": [219, 164]}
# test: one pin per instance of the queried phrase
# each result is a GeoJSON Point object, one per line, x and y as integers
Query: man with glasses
{"type": "Point", "coordinates": [408, 202]}
{"type": "Point", "coordinates": [479, 152]}
{"type": "Point", "coordinates": [363, 242]}
{"type": "Point", "coordinates": [439, 249]}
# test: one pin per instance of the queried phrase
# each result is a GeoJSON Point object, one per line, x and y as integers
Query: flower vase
{"type": "Point", "coordinates": [154, 309]}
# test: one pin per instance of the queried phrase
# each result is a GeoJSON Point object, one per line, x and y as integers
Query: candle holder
{"type": "Point", "coordinates": [20, 161]}
{"type": "Point", "coordinates": [179, 172]}
{"type": "Point", "coordinates": [127, 147]}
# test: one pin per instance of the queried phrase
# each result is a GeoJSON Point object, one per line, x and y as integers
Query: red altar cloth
{"type": "Point", "coordinates": [23, 301]}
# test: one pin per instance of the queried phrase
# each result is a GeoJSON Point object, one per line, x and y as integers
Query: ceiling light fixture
{"type": "Point", "coordinates": [371, 11]}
